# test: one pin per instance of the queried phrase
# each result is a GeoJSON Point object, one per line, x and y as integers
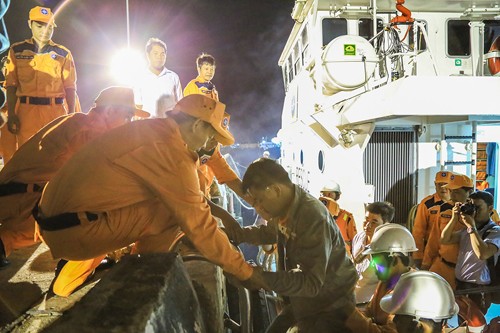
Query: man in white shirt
{"type": "Point", "coordinates": [158, 89]}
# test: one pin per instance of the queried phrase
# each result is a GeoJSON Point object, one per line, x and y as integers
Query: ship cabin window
{"type": "Point", "coordinates": [321, 161]}
{"type": "Point", "coordinates": [305, 46]}
{"type": "Point", "coordinates": [290, 69]}
{"type": "Point", "coordinates": [458, 38]}
{"type": "Point", "coordinates": [333, 28]}
{"type": "Point", "coordinates": [284, 71]}
{"type": "Point", "coordinates": [296, 57]}
{"type": "Point", "coordinates": [491, 32]}
{"type": "Point", "coordinates": [365, 27]}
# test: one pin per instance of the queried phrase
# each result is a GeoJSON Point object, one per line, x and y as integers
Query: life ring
{"type": "Point", "coordinates": [493, 57]}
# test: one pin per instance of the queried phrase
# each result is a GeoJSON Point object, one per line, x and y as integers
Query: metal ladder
{"type": "Point", "coordinates": [470, 145]}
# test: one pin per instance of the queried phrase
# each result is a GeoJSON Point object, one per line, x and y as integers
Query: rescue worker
{"type": "Point", "coordinates": [36, 162]}
{"type": "Point", "coordinates": [8, 141]}
{"type": "Point", "coordinates": [422, 302]}
{"type": "Point", "coordinates": [376, 214]}
{"type": "Point", "coordinates": [390, 250]}
{"type": "Point", "coordinates": [202, 84]}
{"type": "Point", "coordinates": [330, 194]}
{"type": "Point", "coordinates": [40, 78]}
{"type": "Point", "coordinates": [315, 275]}
{"type": "Point", "coordinates": [442, 258]}
{"type": "Point", "coordinates": [158, 88]}
{"type": "Point", "coordinates": [427, 213]}
{"type": "Point", "coordinates": [153, 165]}
{"type": "Point", "coordinates": [478, 242]}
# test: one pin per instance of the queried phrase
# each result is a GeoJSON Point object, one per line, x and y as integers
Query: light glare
{"type": "Point", "coordinates": [126, 66]}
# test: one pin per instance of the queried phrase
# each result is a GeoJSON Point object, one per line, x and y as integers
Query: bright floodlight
{"type": "Point", "coordinates": [126, 66]}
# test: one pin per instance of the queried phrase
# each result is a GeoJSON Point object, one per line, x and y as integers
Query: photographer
{"type": "Point", "coordinates": [438, 257]}
{"type": "Point", "coordinates": [475, 247]}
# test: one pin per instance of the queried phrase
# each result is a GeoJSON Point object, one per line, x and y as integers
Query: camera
{"type": "Point", "coordinates": [468, 208]}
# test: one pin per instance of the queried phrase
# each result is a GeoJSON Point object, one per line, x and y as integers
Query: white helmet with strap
{"type": "Point", "coordinates": [391, 238]}
{"type": "Point", "coordinates": [421, 294]}
{"type": "Point", "coordinates": [331, 186]}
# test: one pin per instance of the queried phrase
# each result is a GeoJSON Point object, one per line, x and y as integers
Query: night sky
{"type": "Point", "coordinates": [245, 36]}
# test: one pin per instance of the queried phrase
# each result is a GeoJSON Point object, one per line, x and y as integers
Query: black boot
{"type": "Point", "coordinates": [59, 267]}
{"type": "Point", "coordinates": [3, 259]}
{"type": "Point", "coordinates": [106, 263]}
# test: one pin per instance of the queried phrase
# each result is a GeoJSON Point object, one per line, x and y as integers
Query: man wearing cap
{"type": "Point", "coordinates": [152, 164]}
{"type": "Point", "coordinates": [40, 78]}
{"type": "Point", "coordinates": [36, 162]}
{"type": "Point", "coordinates": [427, 213]}
{"type": "Point", "coordinates": [330, 194]}
{"type": "Point", "coordinates": [478, 242]}
{"type": "Point", "coordinates": [158, 88]}
{"type": "Point", "coordinates": [442, 258]}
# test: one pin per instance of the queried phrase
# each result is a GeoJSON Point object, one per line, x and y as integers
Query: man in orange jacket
{"type": "Point", "coordinates": [153, 165]}
{"type": "Point", "coordinates": [40, 78]}
{"type": "Point", "coordinates": [427, 213]}
{"type": "Point", "coordinates": [36, 162]}
{"type": "Point", "coordinates": [442, 258]}
{"type": "Point", "coordinates": [330, 194]}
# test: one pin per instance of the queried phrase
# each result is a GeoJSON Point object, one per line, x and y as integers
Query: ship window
{"type": "Point", "coordinates": [333, 28]}
{"type": "Point", "coordinates": [491, 32]}
{"type": "Point", "coordinates": [296, 56]}
{"type": "Point", "coordinates": [285, 76]}
{"type": "Point", "coordinates": [458, 38]}
{"type": "Point", "coordinates": [302, 157]}
{"type": "Point", "coordinates": [365, 27]}
{"type": "Point", "coordinates": [305, 44]}
{"type": "Point", "coordinates": [321, 161]}
{"type": "Point", "coordinates": [290, 69]}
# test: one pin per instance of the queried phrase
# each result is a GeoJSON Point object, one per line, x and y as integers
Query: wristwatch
{"type": "Point", "coordinates": [470, 230]}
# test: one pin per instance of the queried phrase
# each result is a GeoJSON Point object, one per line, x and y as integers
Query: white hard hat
{"type": "Point", "coordinates": [331, 186]}
{"type": "Point", "coordinates": [421, 294]}
{"type": "Point", "coordinates": [390, 238]}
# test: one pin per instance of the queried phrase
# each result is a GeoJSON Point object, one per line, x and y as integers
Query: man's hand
{"type": "Point", "coordinates": [13, 124]}
{"type": "Point", "coordinates": [455, 211]}
{"type": "Point", "coordinates": [468, 221]}
{"type": "Point", "coordinates": [255, 282]}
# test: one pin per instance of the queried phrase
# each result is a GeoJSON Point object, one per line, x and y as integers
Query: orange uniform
{"type": "Point", "coordinates": [36, 162]}
{"type": "Point", "coordinates": [200, 86]}
{"type": "Point", "coordinates": [8, 141]}
{"type": "Point", "coordinates": [41, 78]}
{"type": "Point", "coordinates": [442, 258]}
{"type": "Point", "coordinates": [344, 219]}
{"type": "Point", "coordinates": [136, 184]}
{"type": "Point", "coordinates": [214, 166]}
{"type": "Point", "coordinates": [426, 217]}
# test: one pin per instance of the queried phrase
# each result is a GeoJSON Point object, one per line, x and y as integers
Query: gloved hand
{"type": "Point", "coordinates": [13, 124]}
